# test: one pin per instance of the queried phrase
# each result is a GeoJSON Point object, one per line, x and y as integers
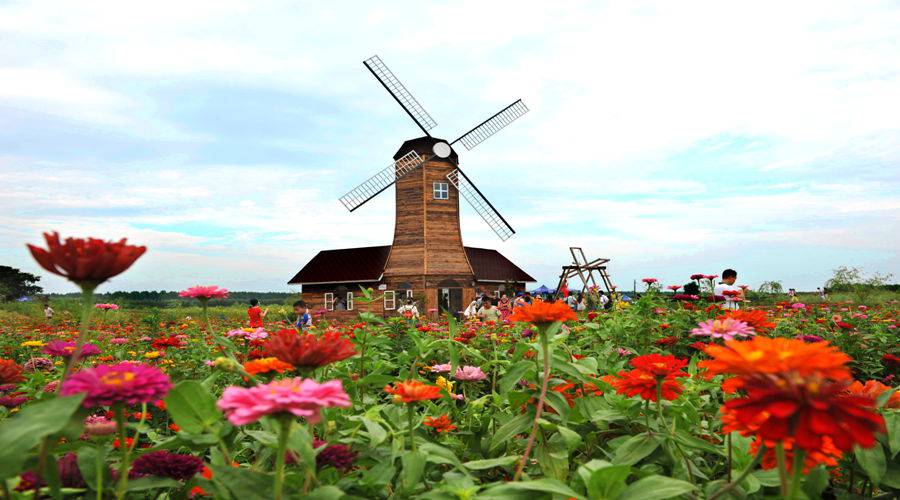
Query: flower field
{"type": "Point", "coordinates": [665, 397]}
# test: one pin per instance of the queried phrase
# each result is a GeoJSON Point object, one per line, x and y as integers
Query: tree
{"type": "Point", "coordinates": [773, 287]}
{"type": "Point", "coordinates": [852, 279]}
{"type": "Point", "coordinates": [15, 283]}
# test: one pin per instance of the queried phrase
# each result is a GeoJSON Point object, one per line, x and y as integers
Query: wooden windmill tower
{"type": "Point", "coordinates": [427, 254]}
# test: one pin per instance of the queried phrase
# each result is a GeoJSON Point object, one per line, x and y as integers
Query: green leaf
{"type": "Point", "coordinates": [377, 434]}
{"type": "Point", "coordinates": [608, 482]}
{"type": "Point", "coordinates": [242, 483]}
{"type": "Point", "coordinates": [490, 463]}
{"type": "Point", "coordinates": [325, 493]}
{"type": "Point", "coordinates": [891, 478]}
{"type": "Point", "coordinates": [815, 483]}
{"type": "Point", "coordinates": [892, 424]}
{"type": "Point", "coordinates": [152, 483]}
{"type": "Point", "coordinates": [192, 407]}
{"type": "Point", "coordinates": [768, 478]}
{"type": "Point", "coordinates": [513, 375]}
{"type": "Point", "coordinates": [656, 488]}
{"type": "Point", "coordinates": [558, 402]}
{"type": "Point", "coordinates": [439, 455]}
{"type": "Point", "coordinates": [635, 449]}
{"type": "Point", "coordinates": [413, 467]}
{"type": "Point", "coordinates": [23, 432]}
{"type": "Point", "coordinates": [88, 458]}
{"type": "Point", "coordinates": [513, 426]}
{"type": "Point", "coordinates": [570, 437]}
{"type": "Point", "coordinates": [551, 486]}
{"type": "Point", "coordinates": [872, 461]}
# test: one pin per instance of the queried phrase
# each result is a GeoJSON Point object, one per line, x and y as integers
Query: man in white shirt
{"type": "Point", "coordinates": [727, 289]}
{"type": "Point", "coordinates": [409, 309]}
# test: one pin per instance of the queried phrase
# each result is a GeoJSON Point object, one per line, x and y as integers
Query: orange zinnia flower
{"type": "Point", "coordinates": [440, 424]}
{"type": "Point", "coordinates": [643, 383]}
{"type": "Point", "coordinates": [412, 391]}
{"type": "Point", "coordinates": [85, 260]}
{"type": "Point", "coordinates": [873, 389]}
{"type": "Point", "coordinates": [540, 312]}
{"type": "Point", "coordinates": [10, 372]}
{"type": "Point", "coordinates": [756, 318]}
{"type": "Point", "coordinates": [658, 364]}
{"type": "Point", "coordinates": [266, 365]}
{"type": "Point", "coordinates": [764, 355]}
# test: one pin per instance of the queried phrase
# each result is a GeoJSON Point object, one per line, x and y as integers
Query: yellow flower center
{"type": "Point", "coordinates": [117, 378]}
{"type": "Point", "coordinates": [755, 355]}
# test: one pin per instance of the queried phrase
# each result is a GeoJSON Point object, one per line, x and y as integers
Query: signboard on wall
{"type": "Point", "coordinates": [382, 287]}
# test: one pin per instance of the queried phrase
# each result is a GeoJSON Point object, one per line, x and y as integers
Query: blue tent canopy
{"type": "Point", "coordinates": [543, 289]}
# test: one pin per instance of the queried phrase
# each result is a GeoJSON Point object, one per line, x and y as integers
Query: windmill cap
{"type": "Point", "coordinates": [424, 146]}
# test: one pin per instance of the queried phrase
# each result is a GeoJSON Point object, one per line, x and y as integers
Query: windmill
{"type": "Point", "coordinates": [431, 152]}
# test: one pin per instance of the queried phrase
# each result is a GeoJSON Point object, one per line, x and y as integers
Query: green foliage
{"type": "Point", "coordinates": [15, 284]}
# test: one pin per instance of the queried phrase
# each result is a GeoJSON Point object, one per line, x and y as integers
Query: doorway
{"type": "Point", "coordinates": [450, 301]}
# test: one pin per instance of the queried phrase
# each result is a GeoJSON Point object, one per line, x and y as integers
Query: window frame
{"type": "Point", "coordinates": [393, 300]}
{"type": "Point", "coordinates": [349, 301]}
{"type": "Point", "coordinates": [409, 294]}
{"type": "Point", "coordinates": [442, 188]}
{"type": "Point", "coordinates": [329, 301]}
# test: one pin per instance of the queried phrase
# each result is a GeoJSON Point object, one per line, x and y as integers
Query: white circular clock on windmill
{"type": "Point", "coordinates": [441, 149]}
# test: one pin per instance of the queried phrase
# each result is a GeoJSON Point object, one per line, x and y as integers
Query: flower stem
{"type": "Point", "coordinates": [279, 458]}
{"type": "Point", "coordinates": [797, 473]}
{"type": "Point", "coordinates": [746, 472]}
{"type": "Point", "coordinates": [87, 309]}
{"type": "Point", "coordinates": [410, 411]}
{"type": "Point", "coordinates": [203, 303]}
{"type": "Point", "coordinates": [545, 347]}
{"type": "Point", "coordinates": [122, 483]}
{"type": "Point", "coordinates": [782, 468]}
{"type": "Point", "coordinates": [98, 473]}
{"type": "Point", "coordinates": [730, 460]}
{"type": "Point", "coordinates": [659, 413]}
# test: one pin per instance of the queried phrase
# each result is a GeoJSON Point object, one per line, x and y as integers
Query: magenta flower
{"type": "Point", "coordinates": [248, 333]}
{"type": "Point", "coordinates": [67, 349]}
{"type": "Point", "coordinates": [649, 281]}
{"type": "Point", "coordinates": [727, 329]}
{"type": "Point", "coordinates": [107, 307]}
{"type": "Point", "coordinates": [469, 374]}
{"type": "Point", "coordinates": [674, 288]}
{"type": "Point", "coordinates": [444, 368]}
{"type": "Point", "coordinates": [798, 305]}
{"type": "Point", "coordinates": [623, 352]}
{"type": "Point", "coordinates": [711, 276]}
{"type": "Point", "coordinates": [129, 383]}
{"type": "Point", "coordinates": [698, 276]}
{"type": "Point", "coordinates": [204, 292]}
{"type": "Point", "coordinates": [98, 425]}
{"type": "Point", "coordinates": [165, 464]}
{"type": "Point", "coordinates": [118, 341]}
{"type": "Point", "coordinates": [296, 396]}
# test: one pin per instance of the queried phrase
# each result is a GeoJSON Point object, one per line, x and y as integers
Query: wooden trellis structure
{"type": "Point", "coordinates": [584, 270]}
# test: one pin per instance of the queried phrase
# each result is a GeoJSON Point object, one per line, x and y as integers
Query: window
{"type": "Point", "coordinates": [496, 294]}
{"type": "Point", "coordinates": [329, 301]}
{"type": "Point", "coordinates": [409, 294]}
{"type": "Point", "coordinates": [441, 191]}
{"type": "Point", "coordinates": [349, 301]}
{"type": "Point", "coordinates": [390, 300]}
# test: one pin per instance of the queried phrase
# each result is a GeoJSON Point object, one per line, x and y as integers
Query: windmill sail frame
{"type": "Point", "coordinates": [468, 190]}
{"type": "Point", "coordinates": [398, 91]}
{"type": "Point", "coordinates": [382, 180]}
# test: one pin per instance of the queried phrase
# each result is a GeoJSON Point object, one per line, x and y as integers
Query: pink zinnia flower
{"type": "Point", "coordinates": [698, 276]}
{"type": "Point", "coordinates": [469, 374]}
{"type": "Point", "coordinates": [204, 292]}
{"type": "Point", "coordinates": [444, 368]}
{"type": "Point", "coordinates": [66, 349]}
{"type": "Point", "coordinates": [649, 281]}
{"type": "Point", "coordinates": [107, 307]}
{"type": "Point", "coordinates": [798, 305]}
{"type": "Point", "coordinates": [674, 287]}
{"type": "Point", "coordinates": [623, 352]}
{"type": "Point", "coordinates": [711, 276]}
{"type": "Point", "coordinates": [98, 425]}
{"type": "Point", "coordinates": [727, 329]}
{"type": "Point", "coordinates": [253, 334]}
{"type": "Point", "coordinates": [129, 383]}
{"type": "Point", "coordinates": [118, 341]}
{"type": "Point", "coordinates": [296, 396]}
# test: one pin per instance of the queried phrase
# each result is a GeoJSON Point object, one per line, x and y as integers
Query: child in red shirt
{"type": "Point", "coordinates": [256, 314]}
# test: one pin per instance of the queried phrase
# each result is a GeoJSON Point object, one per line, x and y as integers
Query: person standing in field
{"type": "Point", "coordinates": [505, 306]}
{"type": "Point", "coordinates": [48, 312]}
{"type": "Point", "coordinates": [488, 312]}
{"type": "Point", "coordinates": [304, 320]}
{"type": "Point", "coordinates": [256, 314]}
{"type": "Point", "coordinates": [727, 289]}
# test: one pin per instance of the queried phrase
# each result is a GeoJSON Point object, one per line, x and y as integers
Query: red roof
{"type": "Point", "coordinates": [349, 265]}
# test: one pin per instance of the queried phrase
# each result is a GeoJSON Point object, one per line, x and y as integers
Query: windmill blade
{"type": "Point", "coordinates": [400, 94]}
{"type": "Point", "coordinates": [382, 180]}
{"type": "Point", "coordinates": [475, 197]}
{"type": "Point", "coordinates": [492, 125]}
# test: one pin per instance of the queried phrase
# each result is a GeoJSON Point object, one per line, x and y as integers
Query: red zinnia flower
{"type": "Point", "coordinates": [10, 372]}
{"type": "Point", "coordinates": [827, 455]}
{"type": "Point", "coordinates": [643, 383]}
{"type": "Point", "coordinates": [440, 424]}
{"type": "Point", "coordinates": [807, 410]}
{"type": "Point", "coordinates": [309, 351]}
{"type": "Point", "coordinates": [85, 261]}
{"type": "Point", "coordinates": [659, 365]}
{"type": "Point", "coordinates": [412, 391]}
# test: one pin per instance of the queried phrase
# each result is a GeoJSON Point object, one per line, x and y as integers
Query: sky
{"type": "Point", "coordinates": [671, 137]}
